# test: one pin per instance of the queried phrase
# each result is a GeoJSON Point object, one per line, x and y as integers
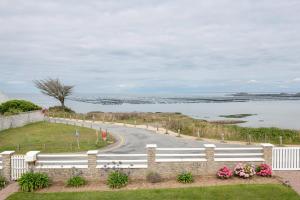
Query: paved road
{"type": "Point", "coordinates": [134, 140]}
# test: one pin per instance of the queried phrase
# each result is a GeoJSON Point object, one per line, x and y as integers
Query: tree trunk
{"type": "Point", "coordinates": [62, 101]}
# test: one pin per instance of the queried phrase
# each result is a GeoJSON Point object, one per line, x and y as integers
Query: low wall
{"type": "Point", "coordinates": [166, 171]}
{"type": "Point", "coordinates": [61, 175]}
{"type": "Point", "coordinates": [20, 120]}
{"type": "Point", "coordinates": [168, 162]}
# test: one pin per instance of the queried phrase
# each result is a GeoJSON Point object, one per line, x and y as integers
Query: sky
{"type": "Point", "coordinates": [151, 46]}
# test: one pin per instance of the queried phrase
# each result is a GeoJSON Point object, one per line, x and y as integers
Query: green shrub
{"type": "Point", "coordinates": [3, 182]}
{"type": "Point", "coordinates": [17, 106]}
{"type": "Point", "coordinates": [30, 181]}
{"type": "Point", "coordinates": [117, 179]}
{"type": "Point", "coordinates": [153, 177]}
{"type": "Point", "coordinates": [60, 109]}
{"type": "Point", "coordinates": [76, 181]}
{"type": "Point", "coordinates": [185, 177]}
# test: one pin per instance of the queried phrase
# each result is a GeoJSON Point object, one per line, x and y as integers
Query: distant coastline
{"type": "Point", "coordinates": [237, 97]}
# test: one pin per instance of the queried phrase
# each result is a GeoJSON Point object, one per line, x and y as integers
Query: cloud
{"type": "Point", "coordinates": [296, 80]}
{"type": "Point", "coordinates": [15, 82]}
{"type": "Point", "coordinates": [252, 81]}
{"type": "Point", "coordinates": [153, 45]}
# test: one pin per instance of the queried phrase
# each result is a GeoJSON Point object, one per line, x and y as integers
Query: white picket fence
{"type": "Point", "coordinates": [18, 166]}
{"type": "Point", "coordinates": [286, 158]}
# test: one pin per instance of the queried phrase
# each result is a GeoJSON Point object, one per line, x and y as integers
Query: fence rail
{"type": "Point", "coordinates": [237, 154]}
{"type": "Point", "coordinates": [286, 158]}
{"type": "Point", "coordinates": [175, 155]}
{"type": "Point", "coordinates": [62, 161]}
{"type": "Point", "coordinates": [131, 161]}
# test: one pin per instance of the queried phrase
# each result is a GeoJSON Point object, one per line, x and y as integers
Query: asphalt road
{"type": "Point", "coordinates": [134, 140]}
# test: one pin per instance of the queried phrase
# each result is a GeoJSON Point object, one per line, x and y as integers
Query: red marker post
{"type": "Point", "coordinates": [104, 135]}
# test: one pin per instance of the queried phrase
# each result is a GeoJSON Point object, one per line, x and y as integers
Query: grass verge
{"type": "Point", "coordinates": [50, 138]}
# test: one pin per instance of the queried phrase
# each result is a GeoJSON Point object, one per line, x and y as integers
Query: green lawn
{"type": "Point", "coordinates": [48, 137]}
{"type": "Point", "coordinates": [242, 192]}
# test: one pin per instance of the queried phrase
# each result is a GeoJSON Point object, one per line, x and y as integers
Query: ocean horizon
{"type": "Point", "coordinates": [266, 109]}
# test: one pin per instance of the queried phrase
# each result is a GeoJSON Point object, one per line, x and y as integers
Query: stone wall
{"type": "Point", "coordinates": [166, 170]}
{"type": "Point", "coordinates": [20, 120]}
{"type": "Point", "coordinates": [58, 175]}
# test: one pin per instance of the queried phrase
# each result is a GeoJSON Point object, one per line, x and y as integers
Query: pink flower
{"type": "Point", "coordinates": [224, 173]}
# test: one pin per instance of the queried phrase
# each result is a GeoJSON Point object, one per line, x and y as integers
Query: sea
{"type": "Point", "coordinates": [267, 110]}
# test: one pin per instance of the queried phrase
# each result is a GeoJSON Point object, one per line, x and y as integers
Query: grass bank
{"type": "Point", "coordinates": [49, 137]}
{"type": "Point", "coordinates": [195, 127]}
{"type": "Point", "coordinates": [232, 192]}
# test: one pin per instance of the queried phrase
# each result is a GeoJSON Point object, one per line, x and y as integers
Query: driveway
{"type": "Point", "coordinates": [134, 140]}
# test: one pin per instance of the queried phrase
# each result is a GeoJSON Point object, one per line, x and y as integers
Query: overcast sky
{"type": "Point", "coordinates": [151, 46]}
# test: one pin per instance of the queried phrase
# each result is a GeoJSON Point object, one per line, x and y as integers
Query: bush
{"type": "Point", "coordinates": [244, 170]}
{"type": "Point", "coordinates": [185, 177]}
{"type": "Point", "coordinates": [76, 181]}
{"type": "Point", "coordinates": [224, 173]}
{"type": "Point", "coordinates": [17, 106]}
{"type": "Point", "coordinates": [264, 170]}
{"type": "Point", "coordinates": [60, 109]}
{"type": "Point", "coordinates": [3, 182]}
{"type": "Point", "coordinates": [117, 179]}
{"type": "Point", "coordinates": [30, 181]}
{"type": "Point", "coordinates": [153, 177]}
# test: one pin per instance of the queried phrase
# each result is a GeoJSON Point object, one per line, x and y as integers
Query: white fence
{"type": "Point", "coordinates": [176, 155]}
{"type": "Point", "coordinates": [137, 161]}
{"type": "Point", "coordinates": [51, 161]}
{"type": "Point", "coordinates": [248, 154]}
{"type": "Point", "coordinates": [18, 166]}
{"type": "Point", "coordinates": [286, 158]}
{"type": "Point", "coordinates": [283, 158]}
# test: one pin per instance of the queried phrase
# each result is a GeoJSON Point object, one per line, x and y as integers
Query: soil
{"type": "Point", "coordinates": [133, 185]}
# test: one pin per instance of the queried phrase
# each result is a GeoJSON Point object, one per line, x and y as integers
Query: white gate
{"type": "Point", "coordinates": [18, 166]}
{"type": "Point", "coordinates": [286, 158]}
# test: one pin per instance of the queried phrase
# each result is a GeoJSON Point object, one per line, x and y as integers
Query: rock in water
{"type": "Point", "coordinates": [3, 98]}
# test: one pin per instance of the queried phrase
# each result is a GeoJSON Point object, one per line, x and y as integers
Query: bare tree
{"type": "Point", "coordinates": [54, 88]}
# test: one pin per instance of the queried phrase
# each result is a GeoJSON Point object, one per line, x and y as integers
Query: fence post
{"type": "Point", "coordinates": [6, 164]}
{"type": "Point", "coordinates": [267, 152]}
{"type": "Point", "coordinates": [151, 155]}
{"type": "Point", "coordinates": [92, 159]}
{"type": "Point", "coordinates": [31, 158]}
{"type": "Point", "coordinates": [210, 152]}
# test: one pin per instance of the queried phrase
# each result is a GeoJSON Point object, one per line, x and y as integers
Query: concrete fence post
{"type": "Point", "coordinates": [6, 164]}
{"type": "Point", "coordinates": [31, 158]}
{"type": "Point", "coordinates": [210, 152]}
{"type": "Point", "coordinates": [151, 155]}
{"type": "Point", "coordinates": [92, 159]}
{"type": "Point", "coordinates": [267, 152]}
